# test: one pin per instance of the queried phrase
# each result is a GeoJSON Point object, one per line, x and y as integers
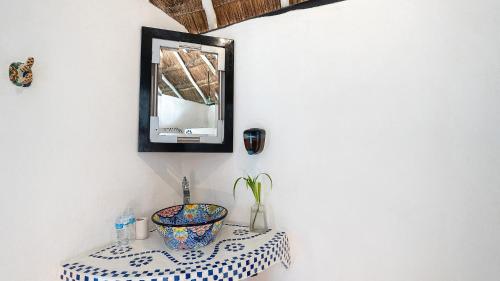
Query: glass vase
{"type": "Point", "coordinates": [258, 219]}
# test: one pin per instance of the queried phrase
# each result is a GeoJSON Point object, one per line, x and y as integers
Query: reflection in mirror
{"type": "Point", "coordinates": [188, 92]}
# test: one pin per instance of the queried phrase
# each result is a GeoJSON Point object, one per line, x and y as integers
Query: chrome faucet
{"type": "Point", "coordinates": [185, 190]}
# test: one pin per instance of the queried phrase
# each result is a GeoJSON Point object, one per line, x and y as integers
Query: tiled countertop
{"type": "Point", "coordinates": [235, 254]}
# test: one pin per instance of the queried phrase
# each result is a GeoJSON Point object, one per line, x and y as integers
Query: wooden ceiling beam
{"type": "Point", "coordinates": [208, 6]}
{"type": "Point", "coordinates": [189, 13]}
{"type": "Point", "coordinates": [200, 16]}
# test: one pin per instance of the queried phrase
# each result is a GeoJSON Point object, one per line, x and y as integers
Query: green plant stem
{"type": "Point", "coordinates": [255, 217]}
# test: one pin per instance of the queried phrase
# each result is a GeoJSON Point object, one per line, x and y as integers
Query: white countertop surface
{"type": "Point", "coordinates": [235, 254]}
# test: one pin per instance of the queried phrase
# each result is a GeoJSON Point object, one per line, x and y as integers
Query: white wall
{"type": "Point", "coordinates": [68, 160]}
{"type": "Point", "coordinates": [183, 114]}
{"type": "Point", "coordinates": [382, 121]}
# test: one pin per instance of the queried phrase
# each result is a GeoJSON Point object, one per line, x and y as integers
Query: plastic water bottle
{"type": "Point", "coordinates": [121, 231]}
{"type": "Point", "coordinates": [129, 217]}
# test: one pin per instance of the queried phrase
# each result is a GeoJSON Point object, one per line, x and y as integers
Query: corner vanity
{"type": "Point", "coordinates": [186, 105]}
{"type": "Point", "coordinates": [235, 254]}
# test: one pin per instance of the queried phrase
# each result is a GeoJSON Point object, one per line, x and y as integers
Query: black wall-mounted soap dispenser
{"type": "Point", "coordinates": [254, 140]}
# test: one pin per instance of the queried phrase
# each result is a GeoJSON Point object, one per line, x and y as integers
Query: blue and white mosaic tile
{"type": "Point", "coordinates": [234, 247]}
{"type": "Point", "coordinates": [192, 255]}
{"type": "Point", "coordinates": [140, 261]}
{"type": "Point", "coordinates": [235, 254]}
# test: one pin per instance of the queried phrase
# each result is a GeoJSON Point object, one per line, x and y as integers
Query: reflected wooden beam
{"type": "Point", "coordinates": [209, 64]}
{"type": "Point", "coordinates": [212, 69]}
{"type": "Point", "coordinates": [190, 77]}
{"type": "Point", "coordinates": [201, 84]}
{"type": "Point", "coordinates": [171, 86]}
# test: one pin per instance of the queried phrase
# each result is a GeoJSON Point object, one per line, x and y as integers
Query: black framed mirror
{"type": "Point", "coordinates": [186, 92]}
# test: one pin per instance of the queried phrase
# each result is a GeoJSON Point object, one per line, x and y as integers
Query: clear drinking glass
{"type": "Point", "coordinates": [258, 219]}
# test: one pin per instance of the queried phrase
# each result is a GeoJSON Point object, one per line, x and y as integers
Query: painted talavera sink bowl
{"type": "Point", "coordinates": [189, 226]}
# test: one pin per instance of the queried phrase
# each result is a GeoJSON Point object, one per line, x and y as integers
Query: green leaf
{"type": "Point", "coordinates": [254, 185]}
{"type": "Point", "coordinates": [268, 176]}
{"type": "Point", "coordinates": [259, 191]}
{"type": "Point", "coordinates": [234, 187]}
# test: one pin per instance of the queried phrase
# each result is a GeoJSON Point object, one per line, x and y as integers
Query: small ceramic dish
{"type": "Point", "coordinates": [189, 226]}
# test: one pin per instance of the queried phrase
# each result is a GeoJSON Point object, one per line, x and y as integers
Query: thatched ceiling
{"type": "Point", "coordinates": [199, 16]}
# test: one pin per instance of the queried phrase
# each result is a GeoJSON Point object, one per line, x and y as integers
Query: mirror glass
{"type": "Point", "coordinates": [188, 92]}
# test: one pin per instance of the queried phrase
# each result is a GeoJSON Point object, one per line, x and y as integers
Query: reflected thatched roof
{"type": "Point", "coordinates": [200, 66]}
{"type": "Point", "coordinates": [193, 15]}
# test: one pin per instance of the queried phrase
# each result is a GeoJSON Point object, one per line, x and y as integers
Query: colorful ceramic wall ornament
{"type": "Point", "coordinates": [20, 73]}
{"type": "Point", "coordinates": [254, 140]}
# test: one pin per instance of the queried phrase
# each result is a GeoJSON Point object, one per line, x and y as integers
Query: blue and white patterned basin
{"type": "Point", "coordinates": [189, 226]}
